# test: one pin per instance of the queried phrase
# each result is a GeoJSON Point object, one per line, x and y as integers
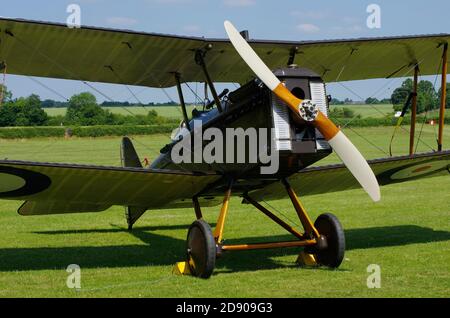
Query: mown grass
{"type": "Point", "coordinates": [174, 112]}
{"type": "Point", "coordinates": [374, 111]}
{"type": "Point", "coordinates": [407, 234]}
{"type": "Point", "coordinates": [165, 111]}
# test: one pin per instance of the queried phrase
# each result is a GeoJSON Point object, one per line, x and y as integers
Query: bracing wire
{"type": "Point", "coordinates": [347, 58]}
{"type": "Point", "coordinates": [426, 111]}
{"type": "Point", "coordinates": [48, 88]}
{"type": "Point", "coordinates": [23, 43]}
{"type": "Point", "coordinates": [281, 213]}
{"type": "Point", "coordinates": [376, 94]}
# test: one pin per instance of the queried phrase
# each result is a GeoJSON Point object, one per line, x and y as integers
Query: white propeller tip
{"type": "Point", "coordinates": [357, 165]}
{"type": "Point", "coordinates": [376, 196]}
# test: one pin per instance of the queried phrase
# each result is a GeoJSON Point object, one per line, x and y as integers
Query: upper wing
{"type": "Point", "coordinates": [147, 59]}
{"type": "Point", "coordinates": [335, 178]}
{"type": "Point", "coordinates": [61, 188]}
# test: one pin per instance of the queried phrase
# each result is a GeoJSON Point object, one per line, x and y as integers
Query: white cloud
{"type": "Point", "coordinates": [308, 28]}
{"type": "Point", "coordinates": [121, 21]}
{"type": "Point", "coordinates": [239, 3]}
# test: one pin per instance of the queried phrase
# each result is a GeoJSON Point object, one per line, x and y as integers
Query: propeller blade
{"type": "Point", "coordinates": [343, 147]}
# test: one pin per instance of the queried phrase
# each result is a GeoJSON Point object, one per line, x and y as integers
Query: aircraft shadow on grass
{"type": "Point", "coordinates": [161, 250]}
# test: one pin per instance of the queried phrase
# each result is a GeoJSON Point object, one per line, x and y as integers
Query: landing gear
{"type": "Point", "coordinates": [331, 245]}
{"type": "Point", "coordinates": [201, 249]}
{"type": "Point", "coordinates": [323, 241]}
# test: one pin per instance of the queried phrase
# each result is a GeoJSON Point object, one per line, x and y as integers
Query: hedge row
{"type": "Point", "coordinates": [374, 122]}
{"type": "Point", "coordinates": [91, 131]}
{"type": "Point", "coordinates": [122, 130]}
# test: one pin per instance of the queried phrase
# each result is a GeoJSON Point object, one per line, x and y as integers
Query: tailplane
{"type": "Point", "coordinates": [130, 159]}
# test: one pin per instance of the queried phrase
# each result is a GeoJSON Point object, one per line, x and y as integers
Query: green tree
{"type": "Point", "coordinates": [447, 98]}
{"type": "Point", "coordinates": [372, 101]}
{"type": "Point", "coordinates": [427, 97]}
{"type": "Point", "coordinates": [6, 95]}
{"type": "Point", "coordinates": [84, 110]}
{"type": "Point", "coordinates": [48, 103]}
{"type": "Point", "coordinates": [35, 115]}
{"type": "Point", "coordinates": [401, 93]}
{"type": "Point", "coordinates": [8, 115]}
{"type": "Point", "coordinates": [348, 113]}
{"type": "Point", "coordinates": [335, 101]}
{"type": "Point", "coordinates": [23, 112]}
{"type": "Point", "coordinates": [29, 111]}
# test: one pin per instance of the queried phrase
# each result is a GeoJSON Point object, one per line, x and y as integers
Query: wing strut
{"type": "Point", "coordinates": [413, 111]}
{"type": "Point", "coordinates": [412, 100]}
{"type": "Point", "coordinates": [200, 60]}
{"type": "Point", "coordinates": [443, 97]}
{"type": "Point", "coordinates": [181, 97]}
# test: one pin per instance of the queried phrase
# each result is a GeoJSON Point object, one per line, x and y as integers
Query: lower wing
{"type": "Point", "coordinates": [335, 178]}
{"type": "Point", "coordinates": [62, 188]}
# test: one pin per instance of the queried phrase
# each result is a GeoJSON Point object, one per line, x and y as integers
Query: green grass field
{"type": "Point", "coordinates": [169, 111]}
{"type": "Point", "coordinates": [174, 112]}
{"type": "Point", "coordinates": [374, 111]}
{"type": "Point", "coordinates": [407, 234]}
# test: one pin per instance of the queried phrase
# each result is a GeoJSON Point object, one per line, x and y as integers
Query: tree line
{"type": "Point", "coordinates": [370, 100]}
{"type": "Point", "coordinates": [428, 98]}
{"type": "Point", "coordinates": [82, 110]}
{"type": "Point", "coordinates": [50, 103]}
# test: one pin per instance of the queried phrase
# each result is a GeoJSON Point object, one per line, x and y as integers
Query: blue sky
{"type": "Point", "coordinates": [288, 20]}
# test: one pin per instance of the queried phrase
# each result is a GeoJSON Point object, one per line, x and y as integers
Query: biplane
{"type": "Point", "coordinates": [282, 87]}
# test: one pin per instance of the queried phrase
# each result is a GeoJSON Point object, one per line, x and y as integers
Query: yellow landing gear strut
{"type": "Point", "coordinates": [324, 240]}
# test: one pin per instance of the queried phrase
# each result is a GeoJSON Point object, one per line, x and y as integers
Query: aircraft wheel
{"type": "Point", "coordinates": [201, 249]}
{"type": "Point", "coordinates": [332, 253]}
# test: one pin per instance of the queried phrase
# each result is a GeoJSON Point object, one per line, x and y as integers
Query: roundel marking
{"type": "Point", "coordinates": [419, 170]}
{"type": "Point", "coordinates": [10, 182]}
{"type": "Point", "coordinates": [15, 182]}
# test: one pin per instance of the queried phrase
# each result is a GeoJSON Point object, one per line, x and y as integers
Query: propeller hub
{"type": "Point", "coordinates": [308, 110]}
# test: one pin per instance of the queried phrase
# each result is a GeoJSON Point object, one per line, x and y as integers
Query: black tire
{"type": "Point", "coordinates": [332, 255]}
{"type": "Point", "coordinates": [201, 249]}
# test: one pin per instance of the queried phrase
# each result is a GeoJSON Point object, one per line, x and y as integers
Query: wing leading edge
{"type": "Point", "coordinates": [61, 188]}
{"type": "Point", "coordinates": [148, 59]}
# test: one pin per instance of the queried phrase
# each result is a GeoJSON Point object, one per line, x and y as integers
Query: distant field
{"type": "Point", "coordinates": [375, 110]}
{"type": "Point", "coordinates": [175, 111]}
{"type": "Point", "coordinates": [168, 111]}
{"type": "Point", "coordinates": [407, 234]}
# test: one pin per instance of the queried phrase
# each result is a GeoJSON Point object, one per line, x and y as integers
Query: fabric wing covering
{"type": "Point", "coordinates": [134, 58]}
{"type": "Point", "coordinates": [61, 188]}
{"type": "Point", "coordinates": [334, 178]}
